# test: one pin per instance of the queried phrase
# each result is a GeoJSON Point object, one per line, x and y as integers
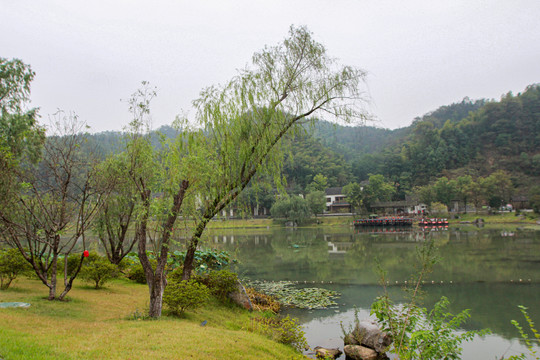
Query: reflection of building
{"type": "Point", "coordinates": [336, 200]}
{"type": "Point", "coordinates": [339, 247]}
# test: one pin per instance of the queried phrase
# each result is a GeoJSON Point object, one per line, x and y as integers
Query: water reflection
{"type": "Point", "coordinates": [487, 271]}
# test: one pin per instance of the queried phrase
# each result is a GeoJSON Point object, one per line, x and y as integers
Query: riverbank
{"type": "Point", "coordinates": [340, 221]}
{"type": "Point", "coordinates": [106, 324]}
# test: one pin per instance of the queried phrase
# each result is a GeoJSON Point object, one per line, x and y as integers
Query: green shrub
{"type": "Point", "coordinates": [182, 295]}
{"type": "Point", "coordinates": [133, 269]}
{"type": "Point", "coordinates": [98, 270]}
{"type": "Point", "coordinates": [203, 260]}
{"type": "Point", "coordinates": [290, 332]}
{"type": "Point", "coordinates": [220, 283]}
{"type": "Point", "coordinates": [285, 330]}
{"type": "Point", "coordinates": [12, 264]}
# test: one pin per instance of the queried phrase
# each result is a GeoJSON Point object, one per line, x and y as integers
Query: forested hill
{"type": "Point", "coordinates": [469, 137]}
{"type": "Point", "coordinates": [473, 138]}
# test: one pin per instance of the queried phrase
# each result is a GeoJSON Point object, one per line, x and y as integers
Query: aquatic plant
{"type": "Point", "coordinates": [288, 295]}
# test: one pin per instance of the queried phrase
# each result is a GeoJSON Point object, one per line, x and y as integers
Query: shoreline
{"type": "Point", "coordinates": [346, 220]}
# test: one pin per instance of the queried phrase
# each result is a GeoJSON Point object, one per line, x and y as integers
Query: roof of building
{"type": "Point", "coordinates": [389, 204]}
{"type": "Point", "coordinates": [334, 191]}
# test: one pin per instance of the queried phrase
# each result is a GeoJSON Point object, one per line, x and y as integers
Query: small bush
{"type": "Point", "coordinates": [182, 295]}
{"type": "Point", "coordinates": [12, 264]}
{"type": "Point", "coordinates": [98, 270]}
{"type": "Point", "coordinates": [263, 302]}
{"type": "Point", "coordinates": [134, 271]}
{"type": "Point", "coordinates": [285, 330]}
{"type": "Point", "coordinates": [220, 283]}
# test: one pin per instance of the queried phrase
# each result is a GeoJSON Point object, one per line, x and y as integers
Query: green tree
{"type": "Point", "coordinates": [247, 118]}
{"type": "Point", "coordinates": [98, 270]}
{"type": "Point", "coordinates": [534, 198]}
{"type": "Point", "coordinates": [319, 183]}
{"type": "Point", "coordinates": [497, 188]}
{"type": "Point", "coordinates": [316, 201]}
{"type": "Point", "coordinates": [465, 189]}
{"type": "Point", "coordinates": [293, 208]}
{"type": "Point", "coordinates": [114, 225]}
{"type": "Point", "coordinates": [354, 195]}
{"type": "Point", "coordinates": [378, 189]}
{"type": "Point", "coordinates": [12, 264]}
{"type": "Point", "coordinates": [161, 178]}
{"type": "Point", "coordinates": [445, 190]}
{"type": "Point", "coordinates": [20, 133]}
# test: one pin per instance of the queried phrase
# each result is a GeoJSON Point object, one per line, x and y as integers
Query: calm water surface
{"type": "Point", "coordinates": [489, 271]}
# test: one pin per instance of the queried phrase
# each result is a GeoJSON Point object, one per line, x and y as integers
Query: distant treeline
{"type": "Point", "coordinates": [472, 137]}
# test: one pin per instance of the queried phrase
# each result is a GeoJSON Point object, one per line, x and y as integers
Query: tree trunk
{"type": "Point", "coordinates": [156, 278]}
{"type": "Point", "coordinates": [190, 253]}
{"type": "Point", "coordinates": [52, 285]}
{"type": "Point", "coordinates": [156, 296]}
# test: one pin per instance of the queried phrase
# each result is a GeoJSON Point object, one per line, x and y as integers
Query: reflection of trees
{"type": "Point", "coordinates": [480, 263]}
{"type": "Point", "coordinates": [304, 254]}
{"type": "Point", "coordinates": [492, 306]}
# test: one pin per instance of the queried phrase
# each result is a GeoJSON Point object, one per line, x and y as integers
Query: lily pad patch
{"type": "Point", "coordinates": [288, 295]}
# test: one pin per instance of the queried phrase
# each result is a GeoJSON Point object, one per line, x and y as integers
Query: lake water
{"type": "Point", "coordinates": [489, 271]}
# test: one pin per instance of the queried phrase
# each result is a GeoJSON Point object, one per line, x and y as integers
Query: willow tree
{"type": "Point", "coordinates": [161, 178]}
{"type": "Point", "coordinates": [247, 119]}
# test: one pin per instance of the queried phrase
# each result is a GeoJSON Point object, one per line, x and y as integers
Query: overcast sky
{"type": "Point", "coordinates": [88, 55]}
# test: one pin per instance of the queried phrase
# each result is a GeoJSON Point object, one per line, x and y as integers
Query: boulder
{"type": "Point", "coordinates": [240, 297]}
{"type": "Point", "coordinates": [358, 352]}
{"type": "Point", "coordinates": [325, 353]}
{"type": "Point", "coordinates": [367, 333]}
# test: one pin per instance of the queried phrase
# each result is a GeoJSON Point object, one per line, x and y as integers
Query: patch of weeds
{"type": "Point", "coordinates": [304, 298]}
{"type": "Point", "coordinates": [138, 315]}
{"type": "Point", "coordinates": [525, 337]}
{"type": "Point", "coordinates": [285, 330]}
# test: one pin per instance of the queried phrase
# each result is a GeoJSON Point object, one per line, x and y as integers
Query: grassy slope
{"type": "Point", "coordinates": [95, 325]}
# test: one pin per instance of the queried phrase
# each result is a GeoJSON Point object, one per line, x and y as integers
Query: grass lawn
{"type": "Point", "coordinates": [503, 218]}
{"type": "Point", "coordinates": [99, 324]}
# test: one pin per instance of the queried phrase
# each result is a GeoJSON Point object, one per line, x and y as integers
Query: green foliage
{"type": "Point", "coordinates": [136, 272]}
{"type": "Point", "coordinates": [378, 189]}
{"type": "Point", "coordinates": [185, 295]}
{"type": "Point", "coordinates": [204, 260]}
{"type": "Point", "coordinates": [290, 332]}
{"type": "Point", "coordinates": [12, 264]}
{"type": "Point", "coordinates": [285, 330]}
{"type": "Point", "coordinates": [525, 337]}
{"type": "Point", "coordinates": [98, 270]}
{"type": "Point", "coordinates": [309, 163]}
{"type": "Point", "coordinates": [293, 208]}
{"type": "Point", "coordinates": [220, 282]}
{"type": "Point", "coordinates": [20, 133]}
{"type": "Point", "coordinates": [354, 195]}
{"type": "Point", "coordinates": [438, 209]}
{"type": "Point", "coordinates": [534, 198]}
{"type": "Point", "coordinates": [316, 201]}
{"type": "Point", "coordinates": [319, 183]}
